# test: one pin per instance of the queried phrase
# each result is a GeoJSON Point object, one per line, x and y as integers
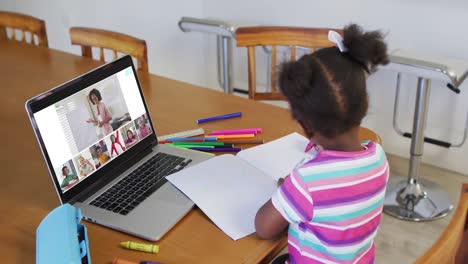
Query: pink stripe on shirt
{"type": "Point", "coordinates": [344, 179]}
{"type": "Point", "coordinates": [349, 191]}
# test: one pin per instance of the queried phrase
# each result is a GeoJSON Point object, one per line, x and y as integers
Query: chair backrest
{"type": "Point", "coordinates": [367, 134]}
{"type": "Point", "coordinates": [104, 39]}
{"type": "Point", "coordinates": [23, 24]}
{"type": "Point", "coordinates": [250, 37]}
{"type": "Point", "coordinates": [447, 248]}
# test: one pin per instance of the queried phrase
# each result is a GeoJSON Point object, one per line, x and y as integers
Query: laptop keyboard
{"type": "Point", "coordinates": [130, 191]}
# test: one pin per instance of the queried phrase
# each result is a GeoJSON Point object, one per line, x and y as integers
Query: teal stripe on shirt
{"type": "Point", "coordinates": [345, 172]}
{"type": "Point", "coordinates": [293, 219]}
{"type": "Point", "coordinates": [322, 249]}
{"type": "Point", "coordinates": [343, 217]}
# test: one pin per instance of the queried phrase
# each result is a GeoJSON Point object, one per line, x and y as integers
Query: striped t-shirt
{"type": "Point", "coordinates": [333, 203]}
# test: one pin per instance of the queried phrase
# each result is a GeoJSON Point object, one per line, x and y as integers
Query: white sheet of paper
{"type": "Point", "coordinates": [278, 157]}
{"type": "Point", "coordinates": [228, 190]}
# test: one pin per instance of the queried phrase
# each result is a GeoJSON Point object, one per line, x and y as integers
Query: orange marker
{"type": "Point", "coordinates": [234, 136]}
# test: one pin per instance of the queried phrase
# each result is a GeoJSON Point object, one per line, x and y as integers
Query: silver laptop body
{"type": "Point", "coordinates": [101, 151]}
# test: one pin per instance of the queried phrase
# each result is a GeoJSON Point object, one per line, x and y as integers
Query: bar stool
{"type": "Point", "coordinates": [225, 33]}
{"type": "Point", "coordinates": [413, 198]}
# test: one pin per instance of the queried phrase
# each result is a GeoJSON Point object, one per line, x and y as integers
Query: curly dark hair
{"type": "Point", "coordinates": [326, 90]}
{"type": "Point", "coordinates": [63, 170]}
{"type": "Point", "coordinates": [96, 93]}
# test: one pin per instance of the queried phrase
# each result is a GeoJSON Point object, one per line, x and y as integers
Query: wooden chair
{"type": "Point", "coordinates": [104, 39]}
{"type": "Point", "coordinates": [24, 24]}
{"type": "Point", "coordinates": [252, 37]}
{"type": "Point", "coordinates": [367, 134]}
{"type": "Point", "coordinates": [452, 245]}
{"type": "Point", "coordinates": [313, 38]}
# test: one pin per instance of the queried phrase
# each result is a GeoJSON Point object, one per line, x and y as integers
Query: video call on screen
{"type": "Point", "coordinates": [85, 131]}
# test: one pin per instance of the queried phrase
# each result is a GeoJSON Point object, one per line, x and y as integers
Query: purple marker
{"type": "Point", "coordinates": [218, 149]}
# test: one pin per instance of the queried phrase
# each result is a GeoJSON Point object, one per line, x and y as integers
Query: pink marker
{"type": "Point", "coordinates": [237, 131]}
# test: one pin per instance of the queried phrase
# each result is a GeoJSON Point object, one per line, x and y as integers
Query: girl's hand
{"type": "Point", "coordinates": [319, 148]}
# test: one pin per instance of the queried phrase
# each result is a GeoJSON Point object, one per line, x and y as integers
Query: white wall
{"type": "Point", "coordinates": [171, 53]}
{"type": "Point", "coordinates": [429, 26]}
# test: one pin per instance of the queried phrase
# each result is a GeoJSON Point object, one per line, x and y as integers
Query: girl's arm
{"type": "Point", "coordinates": [269, 223]}
{"type": "Point", "coordinates": [273, 217]}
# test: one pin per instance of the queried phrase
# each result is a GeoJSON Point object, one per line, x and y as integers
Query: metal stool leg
{"type": "Point", "coordinates": [416, 199]}
{"type": "Point", "coordinates": [224, 60]}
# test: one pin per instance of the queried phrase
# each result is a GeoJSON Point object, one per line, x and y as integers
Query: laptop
{"type": "Point", "coordinates": [102, 152]}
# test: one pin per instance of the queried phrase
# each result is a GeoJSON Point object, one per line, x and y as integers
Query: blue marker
{"type": "Point", "coordinates": [214, 118]}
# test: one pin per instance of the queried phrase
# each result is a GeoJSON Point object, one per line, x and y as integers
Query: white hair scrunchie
{"type": "Point", "coordinates": [336, 38]}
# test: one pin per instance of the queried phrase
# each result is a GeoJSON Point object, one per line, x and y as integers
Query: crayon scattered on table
{"type": "Point", "coordinates": [151, 248]}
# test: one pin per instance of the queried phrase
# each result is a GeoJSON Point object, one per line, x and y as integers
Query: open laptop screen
{"type": "Point", "coordinates": [83, 132]}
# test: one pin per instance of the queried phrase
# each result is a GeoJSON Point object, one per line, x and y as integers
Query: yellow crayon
{"type": "Point", "coordinates": [140, 246]}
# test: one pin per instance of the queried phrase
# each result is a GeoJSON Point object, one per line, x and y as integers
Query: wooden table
{"type": "Point", "coordinates": [27, 193]}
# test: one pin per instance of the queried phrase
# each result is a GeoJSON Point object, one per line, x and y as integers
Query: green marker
{"type": "Point", "coordinates": [206, 153]}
